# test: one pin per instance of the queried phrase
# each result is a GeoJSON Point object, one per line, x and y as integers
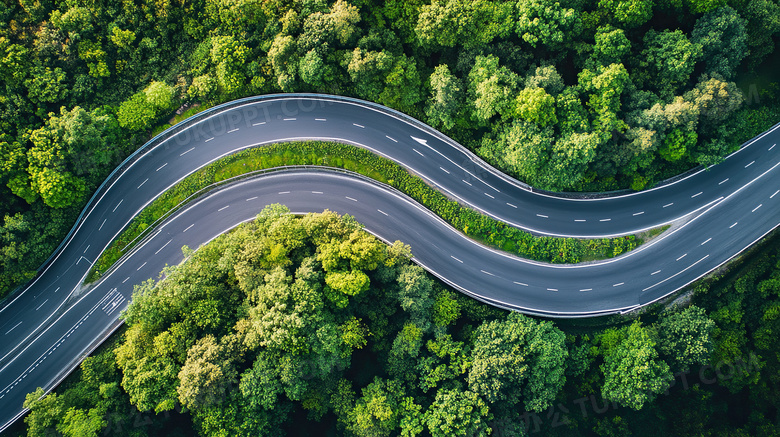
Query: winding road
{"type": "Point", "coordinates": [47, 328]}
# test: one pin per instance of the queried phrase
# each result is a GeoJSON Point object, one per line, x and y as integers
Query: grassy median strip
{"type": "Point", "coordinates": [474, 224]}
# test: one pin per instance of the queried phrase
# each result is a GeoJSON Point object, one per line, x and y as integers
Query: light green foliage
{"type": "Point", "coordinates": [76, 22]}
{"type": "Point", "coordinates": [723, 37]}
{"type": "Point", "coordinates": [230, 56]}
{"type": "Point", "coordinates": [458, 413]}
{"type": "Point", "coordinates": [57, 189]}
{"type": "Point", "coordinates": [160, 96]}
{"type": "Point", "coordinates": [570, 158]}
{"type": "Point", "coordinates": [93, 54]}
{"type": "Point", "coordinates": [686, 336]}
{"type": "Point", "coordinates": [518, 360]}
{"type": "Point", "coordinates": [676, 144]}
{"type": "Point", "coordinates": [536, 106]}
{"type": "Point", "coordinates": [206, 374]}
{"type": "Point", "coordinates": [524, 148]}
{"type": "Point", "coordinates": [715, 99]}
{"type": "Point", "coordinates": [633, 373]}
{"type": "Point", "coordinates": [447, 23]}
{"type": "Point", "coordinates": [122, 38]}
{"type": "Point", "coordinates": [134, 113]}
{"type": "Point", "coordinates": [668, 59]}
{"type": "Point", "coordinates": [545, 23]}
{"type": "Point", "coordinates": [446, 98]}
{"type": "Point", "coordinates": [492, 88]}
{"type": "Point", "coordinates": [138, 112]}
{"type": "Point", "coordinates": [630, 13]}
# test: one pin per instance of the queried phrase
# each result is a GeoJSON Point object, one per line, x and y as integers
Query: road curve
{"type": "Point", "coordinates": [735, 204]}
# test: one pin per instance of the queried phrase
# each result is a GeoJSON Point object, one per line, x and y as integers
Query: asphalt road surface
{"type": "Point", "coordinates": [48, 327]}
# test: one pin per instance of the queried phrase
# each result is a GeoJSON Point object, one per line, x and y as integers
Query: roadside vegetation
{"type": "Point", "coordinates": [581, 95]}
{"type": "Point", "coordinates": [309, 326]}
{"type": "Point", "coordinates": [473, 223]}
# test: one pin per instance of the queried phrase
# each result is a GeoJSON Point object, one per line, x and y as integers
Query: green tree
{"type": "Point", "coordinates": [135, 113]}
{"type": "Point", "coordinates": [723, 36]}
{"type": "Point", "coordinates": [668, 59]}
{"type": "Point", "coordinates": [160, 96]}
{"type": "Point", "coordinates": [612, 46]}
{"type": "Point", "coordinates": [686, 336]}
{"type": "Point", "coordinates": [633, 373]}
{"type": "Point", "coordinates": [536, 106]}
{"type": "Point", "coordinates": [46, 85]}
{"type": "Point", "coordinates": [446, 98]}
{"type": "Point", "coordinates": [715, 99]}
{"type": "Point", "coordinates": [545, 23]}
{"type": "Point", "coordinates": [381, 410]}
{"type": "Point", "coordinates": [491, 88]}
{"type": "Point", "coordinates": [763, 17]}
{"type": "Point", "coordinates": [458, 413]}
{"type": "Point", "coordinates": [676, 144]}
{"type": "Point", "coordinates": [631, 13]}
{"type": "Point", "coordinates": [518, 360]}
{"type": "Point", "coordinates": [206, 375]}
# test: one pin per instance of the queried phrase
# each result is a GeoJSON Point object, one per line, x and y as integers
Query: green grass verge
{"type": "Point", "coordinates": [474, 224]}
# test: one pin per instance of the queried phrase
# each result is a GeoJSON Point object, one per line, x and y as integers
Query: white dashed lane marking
{"type": "Point", "coordinates": [186, 151]}
{"type": "Point", "coordinates": [456, 259]}
{"type": "Point", "coordinates": [161, 167]}
{"type": "Point", "coordinates": [142, 183]}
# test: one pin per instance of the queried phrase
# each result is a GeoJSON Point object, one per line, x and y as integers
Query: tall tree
{"type": "Point", "coordinates": [723, 36]}
{"type": "Point", "coordinates": [633, 373]}
{"type": "Point", "coordinates": [518, 360]}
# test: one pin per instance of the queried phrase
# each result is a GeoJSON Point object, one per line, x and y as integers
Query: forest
{"type": "Point", "coordinates": [298, 325]}
{"type": "Point", "coordinates": [308, 326]}
{"type": "Point", "coordinates": [583, 95]}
